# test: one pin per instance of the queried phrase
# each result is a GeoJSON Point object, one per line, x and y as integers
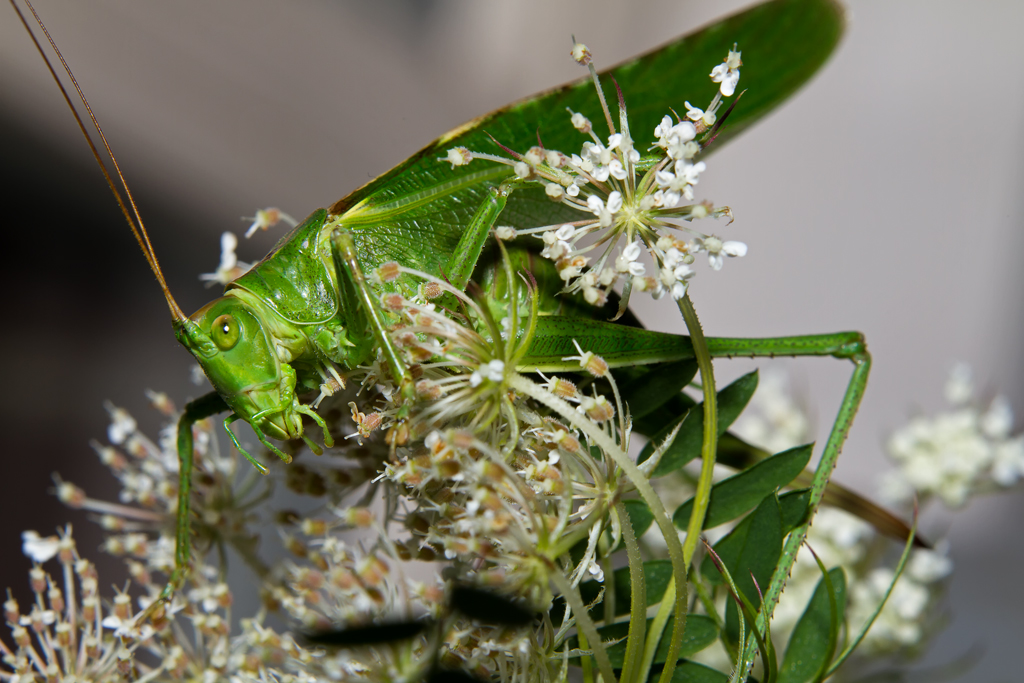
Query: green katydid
{"type": "Point", "coordinates": [310, 307]}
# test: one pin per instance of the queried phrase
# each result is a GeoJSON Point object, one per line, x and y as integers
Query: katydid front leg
{"type": "Point", "coordinates": [355, 294]}
{"type": "Point", "coordinates": [463, 260]}
{"type": "Point", "coordinates": [199, 409]}
{"type": "Point", "coordinates": [359, 303]}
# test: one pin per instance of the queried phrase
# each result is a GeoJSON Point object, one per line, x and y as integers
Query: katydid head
{"type": "Point", "coordinates": [228, 338]}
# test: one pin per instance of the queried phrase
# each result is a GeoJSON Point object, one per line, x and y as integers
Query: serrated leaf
{"type": "Point", "coordinates": [731, 402]}
{"type": "Point", "coordinates": [807, 651]}
{"type": "Point", "coordinates": [699, 633]}
{"type": "Point", "coordinates": [741, 492]}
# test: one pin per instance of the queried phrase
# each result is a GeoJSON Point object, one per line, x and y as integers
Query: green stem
{"type": "Point", "coordinates": [584, 624]}
{"type": "Point", "coordinates": [637, 597]}
{"type": "Point", "coordinates": [709, 447]}
{"type": "Point", "coordinates": [702, 497]}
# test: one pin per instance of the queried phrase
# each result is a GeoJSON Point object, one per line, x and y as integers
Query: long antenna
{"type": "Point", "coordinates": [136, 224]}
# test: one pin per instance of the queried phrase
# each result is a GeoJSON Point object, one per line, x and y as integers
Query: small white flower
{"type": "Point", "coordinates": [122, 424]}
{"type": "Point", "coordinates": [692, 112]}
{"type": "Point", "coordinates": [505, 233]}
{"type": "Point", "coordinates": [605, 212]}
{"type": "Point", "coordinates": [230, 267]}
{"type": "Point", "coordinates": [554, 190]}
{"type": "Point", "coordinates": [683, 272]}
{"type": "Point", "coordinates": [727, 73]}
{"type": "Point", "coordinates": [581, 54]}
{"type": "Point", "coordinates": [597, 153]}
{"type": "Point", "coordinates": [998, 419]}
{"type": "Point", "coordinates": [458, 156]}
{"type": "Point", "coordinates": [690, 173]}
{"type": "Point", "coordinates": [717, 249]}
{"type": "Point", "coordinates": [37, 548]}
{"type": "Point", "coordinates": [929, 566]}
{"type": "Point", "coordinates": [495, 370]}
{"type": "Point", "coordinates": [534, 157]}
{"type": "Point", "coordinates": [661, 131]}
{"type": "Point", "coordinates": [959, 387]}
{"type": "Point", "coordinates": [616, 170]}
{"type": "Point", "coordinates": [675, 139]}
{"type": "Point", "coordinates": [1008, 465]}
{"type": "Point", "coordinates": [581, 123]}
{"type": "Point", "coordinates": [556, 250]}
{"type": "Point", "coordinates": [266, 219]}
{"type": "Point", "coordinates": [565, 232]}
{"type": "Point", "coordinates": [632, 251]}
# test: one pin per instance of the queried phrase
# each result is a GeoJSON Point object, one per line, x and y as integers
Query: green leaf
{"type": "Point", "coordinates": [735, 453]}
{"type": "Point", "coordinates": [738, 494]}
{"type": "Point", "coordinates": [794, 507]}
{"type": "Point", "coordinates": [699, 633]}
{"type": "Point", "coordinates": [415, 213]}
{"type": "Point", "coordinates": [808, 649]}
{"type": "Point", "coordinates": [753, 547]}
{"type": "Point", "coordinates": [692, 672]}
{"type": "Point", "coordinates": [731, 402]}
{"type": "Point", "coordinates": [655, 421]}
{"type": "Point", "coordinates": [655, 387]}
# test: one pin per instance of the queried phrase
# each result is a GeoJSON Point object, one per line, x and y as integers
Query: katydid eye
{"type": "Point", "coordinates": [225, 332]}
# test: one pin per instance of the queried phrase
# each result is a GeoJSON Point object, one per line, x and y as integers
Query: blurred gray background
{"type": "Point", "coordinates": [883, 197]}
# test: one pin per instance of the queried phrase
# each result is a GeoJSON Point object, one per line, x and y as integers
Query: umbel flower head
{"type": "Point", "coordinates": [644, 203]}
{"type": "Point", "coordinates": [956, 454]}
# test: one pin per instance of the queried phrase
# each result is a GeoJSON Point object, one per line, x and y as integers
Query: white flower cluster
{"type": "Point", "coordinates": [640, 203]}
{"type": "Point", "coordinates": [907, 620]}
{"type": "Point", "coordinates": [956, 454]}
{"type": "Point", "coordinates": [72, 634]}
